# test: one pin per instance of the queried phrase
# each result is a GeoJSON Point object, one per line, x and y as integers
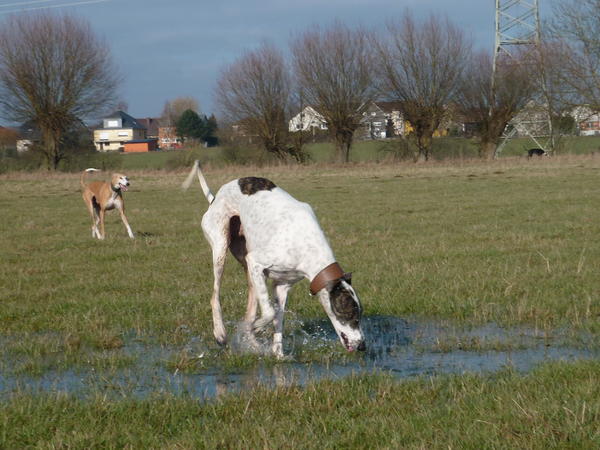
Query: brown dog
{"type": "Point", "coordinates": [101, 196]}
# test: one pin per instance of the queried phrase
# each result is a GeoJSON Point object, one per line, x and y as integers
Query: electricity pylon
{"type": "Point", "coordinates": [518, 27]}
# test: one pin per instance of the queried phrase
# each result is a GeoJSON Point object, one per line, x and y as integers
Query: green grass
{"type": "Point", "coordinates": [556, 406]}
{"type": "Point", "coordinates": [513, 241]}
{"type": "Point", "coordinates": [381, 151]}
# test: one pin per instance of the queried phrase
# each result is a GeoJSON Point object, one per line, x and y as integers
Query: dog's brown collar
{"type": "Point", "coordinates": [115, 189]}
{"type": "Point", "coordinates": [330, 273]}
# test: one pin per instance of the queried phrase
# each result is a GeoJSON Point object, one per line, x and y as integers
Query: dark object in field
{"type": "Point", "coordinates": [536, 152]}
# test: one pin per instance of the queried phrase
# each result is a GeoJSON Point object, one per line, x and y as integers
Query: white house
{"type": "Point", "coordinates": [307, 119]}
{"type": "Point", "coordinates": [588, 121]}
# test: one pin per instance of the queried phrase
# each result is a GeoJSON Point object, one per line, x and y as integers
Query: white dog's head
{"type": "Point", "coordinates": [344, 310]}
{"type": "Point", "coordinates": [120, 182]}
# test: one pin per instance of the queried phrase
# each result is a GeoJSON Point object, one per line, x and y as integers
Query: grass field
{"type": "Point", "coordinates": [373, 151]}
{"type": "Point", "coordinates": [511, 242]}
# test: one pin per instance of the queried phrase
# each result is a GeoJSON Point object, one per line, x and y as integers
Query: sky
{"type": "Point", "coordinates": [166, 49]}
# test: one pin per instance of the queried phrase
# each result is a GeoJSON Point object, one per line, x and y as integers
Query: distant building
{"type": "Point", "coordinates": [588, 121]}
{"type": "Point", "coordinates": [380, 120]}
{"type": "Point", "coordinates": [384, 120]}
{"type": "Point", "coordinates": [152, 126]}
{"type": "Point", "coordinates": [167, 138]}
{"type": "Point", "coordinates": [307, 120]}
{"type": "Point", "coordinates": [117, 129]}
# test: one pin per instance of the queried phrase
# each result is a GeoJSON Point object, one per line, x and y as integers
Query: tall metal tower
{"type": "Point", "coordinates": [518, 30]}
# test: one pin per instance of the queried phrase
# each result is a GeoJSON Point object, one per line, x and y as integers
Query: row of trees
{"type": "Point", "coordinates": [56, 72]}
{"type": "Point", "coordinates": [427, 65]}
{"type": "Point", "coordinates": [183, 114]}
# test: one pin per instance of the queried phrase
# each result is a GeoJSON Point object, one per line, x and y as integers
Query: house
{"type": "Point", "coordinates": [152, 126]}
{"type": "Point", "coordinates": [587, 121]}
{"type": "Point", "coordinates": [307, 120]}
{"type": "Point", "coordinates": [384, 120]}
{"type": "Point", "coordinates": [167, 137]}
{"type": "Point", "coordinates": [380, 120]}
{"type": "Point", "coordinates": [117, 129]}
{"type": "Point", "coordinates": [590, 126]}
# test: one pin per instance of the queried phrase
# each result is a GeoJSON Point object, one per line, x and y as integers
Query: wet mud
{"type": "Point", "coordinates": [403, 348]}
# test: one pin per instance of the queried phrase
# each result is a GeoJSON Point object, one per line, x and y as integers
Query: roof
{"type": "Point", "coordinates": [140, 141]}
{"type": "Point", "coordinates": [389, 106]}
{"type": "Point", "coordinates": [126, 120]}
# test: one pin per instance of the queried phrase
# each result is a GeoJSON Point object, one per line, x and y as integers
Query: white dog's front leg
{"type": "Point", "coordinates": [258, 281]}
{"type": "Point", "coordinates": [281, 292]}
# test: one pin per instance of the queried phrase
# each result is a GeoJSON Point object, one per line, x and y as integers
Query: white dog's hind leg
{"type": "Point", "coordinates": [218, 242]}
{"type": "Point", "coordinates": [219, 255]}
{"type": "Point", "coordinates": [216, 234]}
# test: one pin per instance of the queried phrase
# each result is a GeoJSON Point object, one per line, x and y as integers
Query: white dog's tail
{"type": "Point", "coordinates": [84, 173]}
{"type": "Point", "coordinates": [188, 181]}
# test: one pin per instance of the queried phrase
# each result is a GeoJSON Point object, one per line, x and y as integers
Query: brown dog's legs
{"type": "Point", "coordinates": [124, 219]}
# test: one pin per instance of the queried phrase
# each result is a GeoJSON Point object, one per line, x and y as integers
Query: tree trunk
{"type": "Point", "coordinates": [341, 152]}
{"type": "Point", "coordinates": [52, 148]}
{"type": "Point", "coordinates": [424, 146]}
{"type": "Point", "coordinates": [488, 150]}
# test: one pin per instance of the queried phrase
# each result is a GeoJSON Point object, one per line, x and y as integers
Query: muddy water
{"type": "Point", "coordinates": [400, 347]}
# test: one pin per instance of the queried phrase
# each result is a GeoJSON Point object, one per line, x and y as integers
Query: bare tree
{"type": "Point", "coordinates": [254, 94]}
{"type": "Point", "coordinates": [420, 66]}
{"type": "Point", "coordinates": [573, 52]}
{"type": "Point", "coordinates": [55, 72]}
{"type": "Point", "coordinates": [173, 109]}
{"type": "Point", "coordinates": [334, 70]}
{"type": "Point", "coordinates": [489, 108]}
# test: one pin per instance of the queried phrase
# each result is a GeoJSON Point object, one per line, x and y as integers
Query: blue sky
{"type": "Point", "coordinates": [171, 48]}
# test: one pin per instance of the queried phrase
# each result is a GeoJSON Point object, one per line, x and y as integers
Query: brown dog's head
{"type": "Point", "coordinates": [119, 182]}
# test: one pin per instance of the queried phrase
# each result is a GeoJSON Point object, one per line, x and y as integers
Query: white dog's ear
{"type": "Point", "coordinates": [348, 277]}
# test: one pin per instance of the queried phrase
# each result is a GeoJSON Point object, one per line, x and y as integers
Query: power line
{"type": "Point", "coordinates": [8, 5]}
{"type": "Point", "coordinates": [60, 5]}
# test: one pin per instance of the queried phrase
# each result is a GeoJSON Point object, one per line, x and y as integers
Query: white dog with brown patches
{"type": "Point", "coordinates": [101, 196]}
{"type": "Point", "coordinates": [276, 237]}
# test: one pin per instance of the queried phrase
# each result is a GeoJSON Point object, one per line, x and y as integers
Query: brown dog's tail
{"type": "Point", "coordinates": [84, 173]}
{"type": "Point", "coordinates": [188, 181]}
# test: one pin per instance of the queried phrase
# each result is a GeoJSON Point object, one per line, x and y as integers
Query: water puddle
{"type": "Point", "coordinates": [400, 347]}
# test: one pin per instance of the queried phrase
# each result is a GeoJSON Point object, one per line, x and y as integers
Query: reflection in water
{"type": "Point", "coordinates": [403, 348]}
